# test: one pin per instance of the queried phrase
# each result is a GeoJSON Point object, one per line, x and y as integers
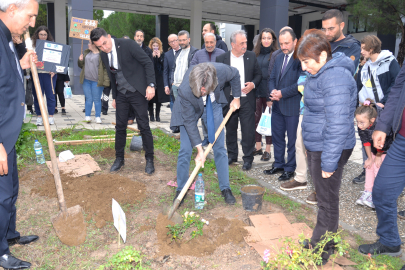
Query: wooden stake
{"type": "Point", "coordinates": [81, 49]}
{"type": "Point", "coordinates": [77, 142]}
{"type": "Point", "coordinates": [130, 128]}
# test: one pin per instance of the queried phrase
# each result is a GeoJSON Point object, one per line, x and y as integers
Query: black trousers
{"type": "Point", "coordinates": [8, 197]}
{"type": "Point", "coordinates": [139, 104]}
{"type": "Point", "coordinates": [60, 86]}
{"type": "Point", "coordinates": [327, 194]}
{"type": "Point", "coordinates": [105, 97]}
{"type": "Point", "coordinates": [246, 116]}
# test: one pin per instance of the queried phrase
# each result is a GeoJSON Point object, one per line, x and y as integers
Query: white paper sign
{"type": "Point", "coordinates": [53, 46]}
{"type": "Point", "coordinates": [51, 56]}
{"type": "Point", "coordinates": [120, 221]}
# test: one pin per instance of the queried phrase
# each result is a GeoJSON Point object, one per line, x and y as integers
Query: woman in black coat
{"type": "Point", "coordinates": [265, 46]}
{"type": "Point", "coordinates": [160, 96]}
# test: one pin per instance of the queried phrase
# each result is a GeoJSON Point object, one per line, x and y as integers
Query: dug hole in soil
{"type": "Point", "coordinates": [222, 243]}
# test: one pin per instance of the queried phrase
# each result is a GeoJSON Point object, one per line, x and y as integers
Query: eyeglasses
{"type": "Point", "coordinates": [361, 123]}
{"type": "Point", "coordinates": [330, 29]}
{"type": "Point", "coordinates": [173, 41]}
{"type": "Point", "coordinates": [43, 35]}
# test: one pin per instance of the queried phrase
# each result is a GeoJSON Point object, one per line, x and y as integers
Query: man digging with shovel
{"type": "Point", "coordinates": [201, 95]}
{"type": "Point", "coordinates": [15, 18]}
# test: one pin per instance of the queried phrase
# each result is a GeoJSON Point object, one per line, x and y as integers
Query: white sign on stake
{"type": "Point", "coordinates": [120, 222]}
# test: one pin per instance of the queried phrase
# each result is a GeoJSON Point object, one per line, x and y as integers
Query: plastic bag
{"type": "Point", "coordinates": [264, 126]}
{"type": "Point", "coordinates": [67, 91]}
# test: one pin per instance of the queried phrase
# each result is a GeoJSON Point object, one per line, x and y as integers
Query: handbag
{"type": "Point", "coordinates": [29, 98]}
{"type": "Point", "coordinates": [67, 91]}
{"type": "Point", "coordinates": [377, 99]}
{"type": "Point", "coordinates": [264, 126]}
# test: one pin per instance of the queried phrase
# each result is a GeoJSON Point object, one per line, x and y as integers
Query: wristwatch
{"type": "Point", "coordinates": [152, 85]}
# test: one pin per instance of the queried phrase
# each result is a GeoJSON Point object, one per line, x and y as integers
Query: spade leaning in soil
{"type": "Point", "coordinates": [69, 224]}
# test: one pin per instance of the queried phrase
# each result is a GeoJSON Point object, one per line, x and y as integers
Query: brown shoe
{"type": "Point", "coordinates": [293, 185]}
{"type": "Point", "coordinates": [312, 198]}
{"type": "Point", "coordinates": [130, 122]}
{"type": "Point", "coordinates": [266, 156]}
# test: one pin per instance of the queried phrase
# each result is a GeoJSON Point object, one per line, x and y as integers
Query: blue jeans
{"type": "Point", "coordinates": [388, 185]}
{"type": "Point", "coordinates": [220, 154]}
{"type": "Point", "coordinates": [92, 92]}
{"type": "Point", "coordinates": [46, 87]}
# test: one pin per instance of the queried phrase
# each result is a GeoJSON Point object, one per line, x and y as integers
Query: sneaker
{"type": "Point", "coordinates": [84, 110]}
{"type": "Point", "coordinates": [363, 197]}
{"type": "Point", "coordinates": [228, 196]}
{"type": "Point", "coordinates": [51, 121]}
{"type": "Point", "coordinates": [87, 119]}
{"type": "Point", "coordinates": [378, 248]}
{"type": "Point", "coordinates": [293, 185]}
{"type": "Point", "coordinates": [56, 111]}
{"type": "Point", "coordinates": [369, 201]}
{"type": "Point", "coordinates": [312, 198]}
{"type": "Point", "coordinates": [39, 121]}
{"type": "Point", "coordinates": [98, 120]}
{"type": "Point", "coordinates": [63, 112]}
{"type": "Point", "coordinates": [361, 178]}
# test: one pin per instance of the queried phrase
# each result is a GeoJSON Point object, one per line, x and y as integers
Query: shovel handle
{"type": "Point", "coordinates": [44, 113]}
{"type": "Point", "coordinates": [198, 165]}
{"type": "Point", "coordinates": [131, 128]}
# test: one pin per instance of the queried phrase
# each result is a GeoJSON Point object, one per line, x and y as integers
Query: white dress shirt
{"type": "Point", "coordinates": [239, 64]}
{"type": "Point", "coordinates": [114, 52]}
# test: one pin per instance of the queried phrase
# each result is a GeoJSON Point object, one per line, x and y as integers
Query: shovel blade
{"type": "Point", "coordinates": [70, 226]}
{"type": "Point", "coordinates": [176, 218]}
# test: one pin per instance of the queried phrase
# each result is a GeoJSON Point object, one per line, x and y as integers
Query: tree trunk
{"type": "Point", "coordinates": [401, 51]}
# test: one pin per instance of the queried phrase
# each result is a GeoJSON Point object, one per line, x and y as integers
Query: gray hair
{"type": "Point", "coordinates": [184, 32]}
{"type": "Point", "coordinates": [4, 4]}
{"type": "Point", "coordinates": [203, 75]}
{"type": "Point", "coordinates": [210, 35]}
{"type": "Point", "coordinates": [237, 32]}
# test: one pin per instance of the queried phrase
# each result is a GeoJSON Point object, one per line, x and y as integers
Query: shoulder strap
{"type": "Point", "coordinates": [374, 87]}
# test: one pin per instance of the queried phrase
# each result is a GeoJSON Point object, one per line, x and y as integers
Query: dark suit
{"type": "Point", "coordinates": [285, 113]}
{"type": "Point", "coordinates": [188, 110]}
{"type": "Point", "coordinates": [12, 98]}
{"type": "Point", "coordinates": [168, 64]}
{"type": "Point", "coordinates": [246, 113]}
{"type": "Point", "coordinates": [138, 70]}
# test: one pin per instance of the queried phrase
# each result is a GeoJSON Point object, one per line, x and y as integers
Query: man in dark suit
{"type": "Point", "coordinates": [132, 79]}
{"type": "Point", "coordinates": [200, 94]}
{"type": "Point", "coordinates": [251, 75]}
{"type": "Point", "coordinates": [168, 63]}
{"type": "Point", "coordinates": [286, 105]}
{"type": "Point", "coordinates": [14, 20]}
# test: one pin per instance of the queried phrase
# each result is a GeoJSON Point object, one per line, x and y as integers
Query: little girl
{"type": "Point", "coordinates": [366, 116]}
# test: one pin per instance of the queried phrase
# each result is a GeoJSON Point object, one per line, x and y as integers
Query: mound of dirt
{"type": "Point", "coordinates": [93, 193]}
{"type": "Point", "coordinates": [219, 232]}
{"type": "Point", "coordinates": [107, 153]}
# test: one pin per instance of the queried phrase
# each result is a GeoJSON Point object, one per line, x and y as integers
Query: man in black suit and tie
{"type": "Point", "coordinates": [168, 63]}
{"type": "Point", "coordinates": [201, 96]}
{"type": "Point", "coordinates": [250, 76]}
{"type": "Point", "coordinates": [132, 79]}
{"type": "Point", "coordinates": [286, 105]}
{"type": "Point", "coordinates": [15, 19]}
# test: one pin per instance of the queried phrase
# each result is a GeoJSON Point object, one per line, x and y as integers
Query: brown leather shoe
{"type": "Point", "coordinates": [257, 152]}
{"type": "Point", "coordinates": [266, 156]}
{"type": "Point", "coordinates": [293, 185]}
{"type": "Point", "coordinates": [312, 198]}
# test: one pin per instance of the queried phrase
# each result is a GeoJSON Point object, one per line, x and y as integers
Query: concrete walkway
{"type": "Point", "coordinates": [75, 117]}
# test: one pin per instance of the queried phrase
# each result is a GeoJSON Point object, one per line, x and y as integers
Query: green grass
{"type": "Point", "coordinates": [281, 200]}
{"type": "Point", "coordinates": [363, 262]}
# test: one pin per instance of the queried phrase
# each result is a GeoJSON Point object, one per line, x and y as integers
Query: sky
{"type": "Point", "coordinates": [107, 13]}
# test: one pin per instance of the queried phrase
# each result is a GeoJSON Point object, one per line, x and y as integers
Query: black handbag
{"type": "Point", "coordinates": [29, 98]}
{"type": "Point", "coordinates": [377, 99]}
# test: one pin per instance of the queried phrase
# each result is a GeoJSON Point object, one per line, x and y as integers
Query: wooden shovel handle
{"type": "Point", "coordinates": [131, 128]}
{"type": "Point", "coordinates": [198, 165]}
{"type": "Point", "coordinates": [44, 113]}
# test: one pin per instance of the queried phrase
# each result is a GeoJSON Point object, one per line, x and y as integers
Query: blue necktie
{"type": "Point", "coordinates": [284, 65]}
{"type": "Point", "coordinates": [210, 121]}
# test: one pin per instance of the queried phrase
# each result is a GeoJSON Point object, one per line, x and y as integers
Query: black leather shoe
{"type": "Point", "coordinates": [229, 198]}
{"type": "Point", "coordinates": [273, 170]}
{"type": "Point", "coordinates": [105, 113]}
{"type": "Point", "coordinates": [177, 195]}
{"type": "Point", "coordinates": [149, 168]}
{"type": "Point", "coordinates": [286, 176]}
{"type": "Point", "coordinates": [56, 111]}
{"type": "Point", "coordinates": [152, 118]}
{"type": "Point", "coordinates": [247, 166]}
{"type": "Point", "coordinates": [232, 160]}
{"type": "Point", "coordinates": [11, 262]}
{"type": "Point", "coordinates": [378, 248]}
{"type": "Point", "coordinates": [157, 118]}
{"type": "Point", "coordinates": [118, 163]}
{"type": "Point", "coordinates": [176, 130]}
{"type": "Point", "coordinates": [23, 240]}
{"type": "Point", "coordinates": [257, 152]}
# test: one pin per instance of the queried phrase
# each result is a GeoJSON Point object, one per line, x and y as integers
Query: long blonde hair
{"type": "Point", "coordinates": [156, 40]}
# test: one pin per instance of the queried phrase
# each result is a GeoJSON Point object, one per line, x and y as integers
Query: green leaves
{"type": "Point", "coordinates": [127, 259]}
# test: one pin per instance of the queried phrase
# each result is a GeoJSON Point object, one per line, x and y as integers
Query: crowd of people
{"type": "Point", "coordinates": [315, 88]}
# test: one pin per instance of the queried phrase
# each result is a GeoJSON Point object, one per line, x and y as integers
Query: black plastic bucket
{"type": "Point", "coordinates": [136, 143]}
{"type": "Point", "coordinates": [252, 197]}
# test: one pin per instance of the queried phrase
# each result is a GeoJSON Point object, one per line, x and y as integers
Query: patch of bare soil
{"type": "Point", "coordinates": [219, 232]}
{"type": "Point", "coordinates": [94, 193]}
{"type": "Point", "coordinates": [107, 153]}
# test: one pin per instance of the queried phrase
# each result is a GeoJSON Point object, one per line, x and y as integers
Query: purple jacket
{"type": "Point", "coordinates": [202, 56]}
